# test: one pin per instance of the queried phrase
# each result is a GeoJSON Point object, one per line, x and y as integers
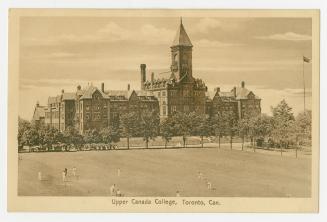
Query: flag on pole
{"type": "Point", "coordinates": [306, 59]}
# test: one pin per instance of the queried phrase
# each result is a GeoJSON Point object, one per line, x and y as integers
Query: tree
{"type": "Point", "coordinates": [304, 122]}
{"type": "Point", "coordinates": [23, 125]}
{"type": "Point", "coordinates": [217, 126]}
{"type": "Point", "coordinates": [201, 127]}
{"type": "Point", "coordinates": [184, 124]}
{"type": "Point", "coordinates": [283, 111]}
{"type": "Point", "coordinates": [129, 123]}
{"type": "Point", "coordinates": [109, 134]}
{"type": "Point", "coordinates": [72, 136]}
{"type": "Point", "coordinates": [92, 136]}
{"type": "Point", "coordinates": [262, 128]}
{"type": "Point", "coordinates": [167, 130]}
{"type": "Point", "coordinates": [230, 125]}
{"type": "Point", "coordinates": [283, 120]}
{"type": "Point", "coordinates": [243, 127]}
{"type": "Point", "coordinates": [30, 137]}
{"type": "Point", "coordinates": [149, 126]}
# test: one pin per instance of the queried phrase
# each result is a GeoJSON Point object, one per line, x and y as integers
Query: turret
{"type": "Point", "coordinates": [181, 54]}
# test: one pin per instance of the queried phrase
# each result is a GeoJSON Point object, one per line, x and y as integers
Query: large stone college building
{"type": "Point", "coordinates": [94, 108]}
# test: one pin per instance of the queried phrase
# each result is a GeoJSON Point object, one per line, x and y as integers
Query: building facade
{"type": "Point", "coordinates": [92, 108]}
{"type": "Point", "coordinates": [240, 101]}
{"type": "Point", "coordinates": [179, 91]}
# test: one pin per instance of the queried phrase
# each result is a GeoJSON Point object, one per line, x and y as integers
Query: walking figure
{"type": "Point", "coordinates": [63, 176]}
{"type": "Point", "coordinates": [39, 175]}
{"type": "Point", "coordinates": [66, 171]}
{"type": "Point", "coordinates": [118, 193]}
{"type": "Point", "coordinates": [74, 171]}
{"type": "Point", "coordinates": [113, 189]}
{"type": "Point", "coordinates": [209, 185]}
{"type": "Point", "coordinates": [178, 194]}
{"type": "Point", "coordinates": [200, 175]}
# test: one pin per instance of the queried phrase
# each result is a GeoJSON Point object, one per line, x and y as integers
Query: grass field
{"type": "Point", "coordinates": [161, 172]}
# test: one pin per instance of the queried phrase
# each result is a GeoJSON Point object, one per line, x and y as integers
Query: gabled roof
{"type": "Point", "coordinates": [126, 94]}
{"type": "Point", "coordinates": [226, 94]}
{"type": "Point", "coordinates": [242, 93]}
{"type": "Point", "coordinates": [39, 112]}
{"type": "Point", "coordinates": [117, 94]}
{"type": "Point", "coordinates": [68, 96]}
{"type": "Point", "coordinates": [53, 99]}
{"type": "Point", "coordinates": [181, 38]}
{"type": "Point", "coordinates": [89, 93]}
{"type": "Point", "coordinates": [210, 94]}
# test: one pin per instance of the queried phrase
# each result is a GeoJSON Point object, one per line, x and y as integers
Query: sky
{"type": "Point", "coordinates": [63, 52]}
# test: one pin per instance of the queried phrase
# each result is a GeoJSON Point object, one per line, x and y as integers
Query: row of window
{"type": "Point", "coordinates": [96, 116]}
{"type": "Point", "coordinates": [163, 94]}
{"type": "Point", "coordinates": [250, 106]}
{"type": "Point", "coordinates": [98, 107]}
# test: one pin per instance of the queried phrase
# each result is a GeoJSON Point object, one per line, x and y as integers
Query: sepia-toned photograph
{"type": "Point", "coordinates": [167, 108]}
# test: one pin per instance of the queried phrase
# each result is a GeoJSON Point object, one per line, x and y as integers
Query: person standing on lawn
{"type": "Point", "coordinates": [113, 190]}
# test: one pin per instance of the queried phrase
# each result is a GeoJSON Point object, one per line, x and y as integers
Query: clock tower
{"type": "Point", "coordinates": [181, 55]}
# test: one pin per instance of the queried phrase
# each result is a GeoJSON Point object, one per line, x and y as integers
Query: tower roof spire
{"type": "Point", "coordinates": [181, 38]}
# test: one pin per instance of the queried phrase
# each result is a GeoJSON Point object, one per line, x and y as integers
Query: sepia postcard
{"type": "Point", "coordinates": [163, 110]}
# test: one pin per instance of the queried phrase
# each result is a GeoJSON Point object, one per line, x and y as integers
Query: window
{"type": "Point", "coordinates": [185, 92]}
{"type": "Point", "coordinates": [163, 102]}
{"type": "Point", "coordinates": [87, 108]}
{"type": "Point", "coordinates": [158, 94]}
{"type": "Point", "coordinates": [164, 110]}
{"type": "Point", "coordinates": [173, 109]}
{"type": "Point", "coordinates": [164, 93]}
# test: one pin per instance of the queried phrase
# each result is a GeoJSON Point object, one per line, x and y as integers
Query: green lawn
{"type": "Point", "coordinates": [161, 172]}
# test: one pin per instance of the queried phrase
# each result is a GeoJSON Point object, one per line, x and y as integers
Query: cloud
{"type": "Point", "coordinates": [205, 25]}
{"type": "Point", "coordinates": [213, 43]}
{"type": "Point", "coordinates": [110, 33]}
{"type": "Point", "coordinates": [288, 36]}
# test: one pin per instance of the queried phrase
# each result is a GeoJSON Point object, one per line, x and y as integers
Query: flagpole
{"type": "Point", "coordinates": [303, 84]}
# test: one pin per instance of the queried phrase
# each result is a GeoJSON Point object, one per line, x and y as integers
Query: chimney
{"type": "Point", "coordinates": [37, 104]}
{"type": "Point", "coordinates": [243, 84]}
{"type": "Point", "coordinates": [234, 91]}
{"type": "Point", "coordinates": [152, 76]}
{"type": "Point", "coordinates": [217, 89]}
{"type": "Point", "coordinates": [143, 75]}
{"type": "Point", "coordinates": [128, 87]}
{"type": "Point", "coordinates": [102, 87]}
{"type": "Point", "coordinates": [79, 87]}
{"type": "Point", "coordinates": [62, 91]}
